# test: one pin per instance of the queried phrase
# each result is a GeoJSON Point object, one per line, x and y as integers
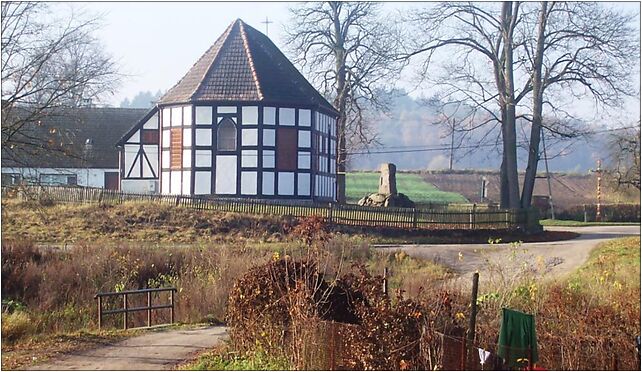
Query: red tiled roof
{"type": "Point", "coordinates": [244, 65]}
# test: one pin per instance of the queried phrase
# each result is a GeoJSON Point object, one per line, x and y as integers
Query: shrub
{"type": "Point", "coordinates": [15, 325]}
{"type": "Point", "coordinates": [609, 212]}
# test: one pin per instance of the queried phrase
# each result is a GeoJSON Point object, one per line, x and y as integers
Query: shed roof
{"type": "Point", "coordinates": [72, 130]}
{"type": "Point", "coordinates": [244, 65]}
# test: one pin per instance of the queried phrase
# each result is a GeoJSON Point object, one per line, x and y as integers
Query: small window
{"type": "Point", "coordinates": [226, 135]}
{"type": "Point", "coordinates": [59, 179]}
{"type": "Point", "coordinates": [176, 148]}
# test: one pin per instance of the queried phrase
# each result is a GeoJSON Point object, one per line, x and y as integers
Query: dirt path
{"type": "Point", "coordinates": [156, 350]}
{"type": "Point", "coordinates": [546, 258]}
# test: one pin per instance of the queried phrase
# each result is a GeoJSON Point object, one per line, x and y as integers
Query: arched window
{"type": "Point", "coordinates": [226, 135]}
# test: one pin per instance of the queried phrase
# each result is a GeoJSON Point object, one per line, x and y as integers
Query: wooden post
{"type": "Point", "coordinates": [149, 309]}
{"type": "Point", "coordinates": [330, 213]}
{"type": "Point", "coordinates": [171, 314]}
{"type": "Point", "coordinates": [385, 281]}
{"type": "Point", "coordinates": [414, 218]}
{"type": "Point", "coordinates": [178, 200]}
{"type": "Point", "coordinates": [100, 312]}
{"type": "Point", "coordinates": [470, 335]}
{"type": "Point", "coordinates": [125, 313]}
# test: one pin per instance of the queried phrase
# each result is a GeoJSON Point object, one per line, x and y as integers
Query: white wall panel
{"type": "Point", "coordinates": [226, 109]}
{"type": "Point", "coordinates": [250, 137]}
{"type": "Point", "coordinates": [203, 137]}
{"type": "Point", "coordinates": [152, 155]}
{"type": "Point", "coordinates": [269, 158]}
{"type": "Point", "coordinates": [203, 158]}
{"type": "Point", "coordinates": [304, 118]}
{"type": "Point", "coordinates": [165, 159]}
{"type": "Point", "coordinates": [187, 183]}
{"type": "Point", "coordinates": [269, 115]}
{"type": "Point", "coordinates": [187, 116]}
{"type": "Point", "coordinates": [268, 183]}
{"type": "Point", "coordinates": [165, 183]}
{"type": "Point", "coordinates": [166, 138]}
{"type": "Point", "coordinates": [303, 186]}
{"type": "Point", "coordinates": [152, 123]}
{"type": "Point", "coordinates": [249, 158]}
{"type": "Point", "coordinates": [187, 158]}
{"type": "Point", "coordinates": [202, 183]}
{"type": "Point", "coordinates": [175, 183]}
{"type": "Point", "coordinates": [226, 174]}
{"type": "Point", "coordinates": [130, 155]}
{"type": "Point", "coordinates": [139, 186]}
{"type": "Point", "coordinates": [204, 115]}
{"type": "Point", "coordinates": [177, 116]}
{"type": "Point", "coordinates": [304, 160]}
{"type": "Point", "coordinates": [269, 136]}
{"type": "Point", "coordinates": [286, 116]}
{"type": "Point", "coordinates": [248, 183]}
{"type": "Point", "coordinates": [286, 183]}
{"type": "Point", "coordinates": [250, 115]}
{"type": "Point", "coordinates": [166, 117]}
{"type": "Point", "coordinates": [135, 138]}
{"type": "Point", "coordinates": [187, 137]}
{"type": "Point", "coordinates": [304, 138]}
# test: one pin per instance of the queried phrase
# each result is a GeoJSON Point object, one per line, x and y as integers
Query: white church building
{"type": "Point", "coordinates": [243, 122]}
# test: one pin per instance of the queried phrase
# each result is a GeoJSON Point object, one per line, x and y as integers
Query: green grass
{"type": "Point", "coordinates": [360, 184]}
{"type": "Point", "coordinates": [257, 361]}
{"type": "Point", "coordinates": [580, 223]}
{"type": "Point", "coordinates": [611, 265]}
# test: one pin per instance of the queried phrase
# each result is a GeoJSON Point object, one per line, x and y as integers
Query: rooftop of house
{"type": "Point", "coordinates": [73, 138]}
{"type": "Point", "coordinates": [245, 65]}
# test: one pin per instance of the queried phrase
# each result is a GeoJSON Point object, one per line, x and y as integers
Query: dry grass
{"type": "Point", "coordinates": [134, 221]}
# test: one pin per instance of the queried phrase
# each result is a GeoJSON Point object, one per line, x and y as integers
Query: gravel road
{"type": "Point", "coordinates": [155, 350]}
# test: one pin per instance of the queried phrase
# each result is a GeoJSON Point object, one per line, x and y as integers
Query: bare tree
{"type": "Point", "coordinates": [48, 66]}
{"type": "Point", "coordinates": [624, 160]}
{"type": "Point", "coordinates": [474, 33]}
{"type": "Point", "coordinates": [578, 47]}
{"type": "Point", "coordinates": [546, 52]}
{"type": "Point", "coordinates": [349, 53]}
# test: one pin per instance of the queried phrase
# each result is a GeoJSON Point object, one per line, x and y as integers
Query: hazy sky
{"type": "Point", "coordinates": [155, 43]}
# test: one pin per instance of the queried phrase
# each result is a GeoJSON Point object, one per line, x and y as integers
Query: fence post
{"type": "Point", "coordinates": [470, 335]}
{"type": "Point", "coordinates": [385, 280]}
{"type": "Point", "coordinates": [171, 314]}
{"type": "Point", "coordinates": [100, 197]}
{"type": "Point", "coordinates": [125, 313]}
{"type": "Point", "coordinates": [149, 309]}
{"type": "Point", "coordinates": [178, 199]}
{"type": "Point", "coordinates": [330, 213]}
{"type": "Point", "coordinates": [100, 312]}
{"type": "Point", "coordinates": [472, 217]}
{"type": "Point", "coordinates": [414, 218]}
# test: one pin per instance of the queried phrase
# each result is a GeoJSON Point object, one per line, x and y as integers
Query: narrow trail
{"type": "Point", "coordinates": [155, 350]}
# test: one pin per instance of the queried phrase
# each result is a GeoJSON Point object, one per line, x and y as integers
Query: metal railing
{"type": "Point", "coordinates": [125, 310]}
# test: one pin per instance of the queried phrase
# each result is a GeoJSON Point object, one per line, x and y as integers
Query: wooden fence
{"type": "Point", "coordinates": [456, 216]}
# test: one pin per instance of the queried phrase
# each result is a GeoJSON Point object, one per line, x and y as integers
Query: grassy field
{"type": "Point", "coordinates": [360, 184]}
{"type": "Point", "coordinates": [550, 222]}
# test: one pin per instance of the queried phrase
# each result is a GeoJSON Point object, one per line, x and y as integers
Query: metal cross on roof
{"type": "Point", "coordinates": [266, 23]}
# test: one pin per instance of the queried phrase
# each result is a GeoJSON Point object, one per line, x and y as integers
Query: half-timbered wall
{"type": "Point", "coordinates": [139, 168]}
{"type": "Point", "coordinates": [246, 150]}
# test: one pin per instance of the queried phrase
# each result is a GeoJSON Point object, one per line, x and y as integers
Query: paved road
{"type": "Point", "coordinates": [545, 259]}
{"type": "Point", "coordinates": [155, 350]}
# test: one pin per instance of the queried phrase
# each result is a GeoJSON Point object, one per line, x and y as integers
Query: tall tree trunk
{"type": "Point", "coordinates": [536, 125]}
{"type": "Point", "coordinates": [508, 128]}
{"type": "Point", "coordinates": [340, 102]}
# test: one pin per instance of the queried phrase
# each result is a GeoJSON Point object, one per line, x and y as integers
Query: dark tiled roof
{"type": "Point", "coordinates": [244, 65]}
{"type": "Point", "coordinates": [73, 127]}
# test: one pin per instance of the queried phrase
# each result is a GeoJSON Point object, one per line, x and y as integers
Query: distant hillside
{"type": "Point", "coordinates": [409, 126]}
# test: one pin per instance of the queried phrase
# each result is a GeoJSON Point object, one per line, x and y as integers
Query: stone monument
{"type": "Point", "coordinates": [387, 196]}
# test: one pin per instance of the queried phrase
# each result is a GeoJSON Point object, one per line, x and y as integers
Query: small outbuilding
{"type": "Point", "coordinates": [243, 122]}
